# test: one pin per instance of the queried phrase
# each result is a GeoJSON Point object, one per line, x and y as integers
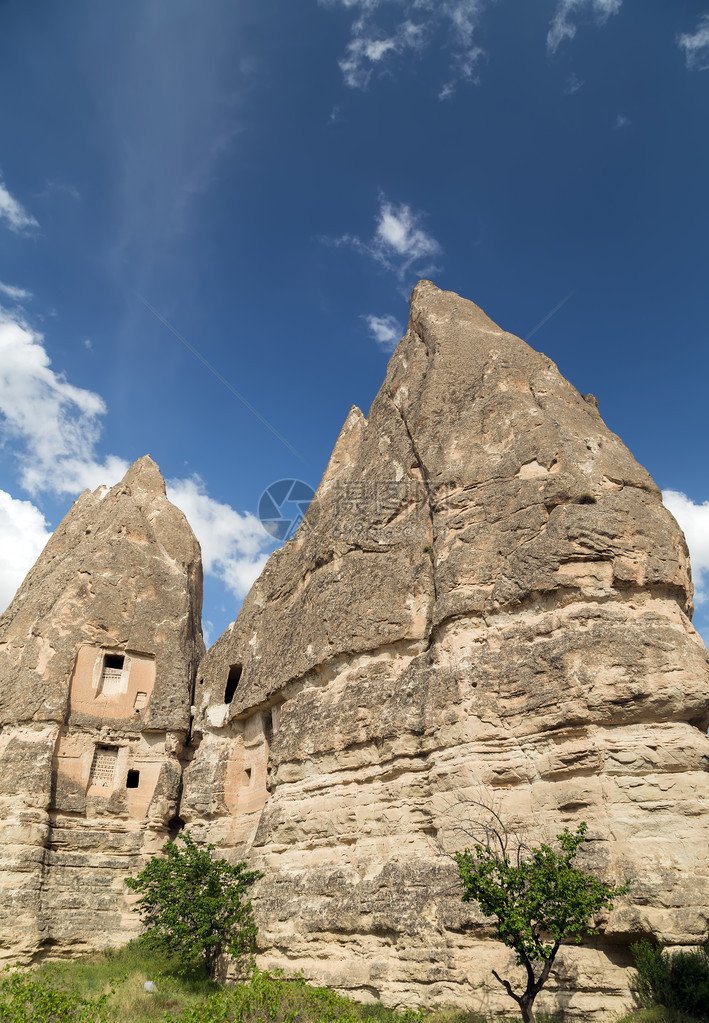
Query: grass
{"type": "Point", "coordinates": [656, 1015]}
{"type": "Point", "coordinates": [121, 974]}
{"type": "Point", "coordinates": [108, 988]}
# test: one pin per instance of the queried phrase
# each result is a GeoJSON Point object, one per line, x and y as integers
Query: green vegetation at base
{"type": "Point", "coordinates": [24, 999]}
{"type": "Point", "coordinates": [108, 988]}
{"type": "Point", "coordinates": [657, 1015]}
{"type": "Point", "coordinates": [677, 981]}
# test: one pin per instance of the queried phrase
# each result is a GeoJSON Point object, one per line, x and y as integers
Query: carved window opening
{"type": "Point", "coordinates": [133, 780]}
{"type": "Point", "coordinates": [103, 766]}
{"type": "Point", "coordinates": [232, 682]}
{"type": "Point", "coordinates": [112, 673]}
{"type": "Point", "coordinates": [247, 775]}
{"type": "Point", "coordinates": [268, 726]}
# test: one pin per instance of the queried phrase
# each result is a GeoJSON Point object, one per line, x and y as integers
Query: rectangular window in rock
{"type": "Point", "coordinates": [112, 674]}
{"type": "Point", "coordinates": [133, 780]}
{"type": "Point", "coordinates": [103, 766]}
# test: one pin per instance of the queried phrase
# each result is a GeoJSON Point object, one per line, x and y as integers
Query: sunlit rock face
{"type": "Point", "coordinates": [486, 601]}
{"type": "Point", "coordinates": [98, 653]}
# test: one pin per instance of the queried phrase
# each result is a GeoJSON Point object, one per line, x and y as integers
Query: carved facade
{"type": "Point", "coordinates": [98, 655]}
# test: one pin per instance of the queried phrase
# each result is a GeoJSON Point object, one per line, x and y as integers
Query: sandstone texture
{"type": "Point", "coordinates": [98, 655]}
{"type": "Point", "coordinates": [486, 601]}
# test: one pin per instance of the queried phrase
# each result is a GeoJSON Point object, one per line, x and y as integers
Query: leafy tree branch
{"type": "Point", "coordinates": [539, 899]}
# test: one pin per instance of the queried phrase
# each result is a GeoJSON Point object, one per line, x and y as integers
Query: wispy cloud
{"type": "Point", "coordinates": [696, 45]}
{"type": "Point", "coordinates": [563, 24]}
{"type": "Point", "coordinates": [621, 122]}
{"type": "Point", "coordinates": [367, 49]}
{"type": "Point", "coordinates": [378, 35]}
{"type": "Point", "coordinates": [400, 243]}
{"type": "Point", "coordinates": [14, 293]}
{"type": "Point", "coordinates": [235, 546]}
{"type": "Point", "coordinates": [694, 520]}
{"type": "Point", "coordinates": [172, 92]}
{"type": "Point", "coordinates": [24, 533]}
{"type": "Point", "coordinates": [14, 213]}
{"type": "Point", "coordinates": [53, 188]}
{"type": "Point", "coordinates": [386, 331]}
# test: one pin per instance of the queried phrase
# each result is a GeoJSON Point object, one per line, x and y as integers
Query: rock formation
{"type": "Point", "coordinates": [486, 601]}
{"type": "Point", "coordinates": [98, 654]}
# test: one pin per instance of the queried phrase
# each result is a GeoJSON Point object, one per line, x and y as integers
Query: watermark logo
{"type": "Point", "coordinates": [282, 507]}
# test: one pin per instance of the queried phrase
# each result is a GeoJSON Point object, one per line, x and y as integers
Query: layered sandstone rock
{"type": "Point", "coordinates": [98, 653]}
{"type": "Point", "coordinates": [487, 601]}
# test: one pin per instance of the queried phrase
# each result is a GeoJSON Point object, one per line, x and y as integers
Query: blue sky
{"type": "Point", "coordinates": [212, 208]}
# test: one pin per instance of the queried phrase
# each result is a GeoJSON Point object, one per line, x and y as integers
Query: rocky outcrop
{"type": "Point", "coordinates": [98, 653]}
{"type": "Point", "coordinates": [486, 601]}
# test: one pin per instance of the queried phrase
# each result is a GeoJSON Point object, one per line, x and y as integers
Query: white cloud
{"type": "Point", "coordinates": [621, 122]}
{"type": "Point", "coordinates": [55, 428]}
{"type": "Point", "coordinates": [399, 242]}
{"type": "Point", "coordinates": [696, 46]}
{"type": "Point", "coordinates": [372, 46]}
{"type": "Point", "coordinates": [563, 25]}
{"type": "Point", "coordinates": [14, 293]}
{"type": "Point", "coordinates": [235, 546]}
{"type": "Point", "coordinates": [17, 217]}
{"type": "Point", "coordinates": [365, 50]}
{"type": "Point", "coordinates": [385, 330]}
{"type": "Point", "coordinates": [24, 533]}
{"type": "Point", "coordinates": [694, 520]}
{"type": "Point", "coordinates": [55, 425]}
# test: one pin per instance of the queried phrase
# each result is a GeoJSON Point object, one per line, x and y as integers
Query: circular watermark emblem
{"type": "Point", "coordinates": [282, 507]}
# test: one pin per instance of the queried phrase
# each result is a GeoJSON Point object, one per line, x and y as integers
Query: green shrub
{"type": "Point", "coordinates": [678, 981]}
{"type": "Point", "coordinates": [195, 907]}
{"type": "Point", "coordinates": [269, 998]}
{"type": "Point", "coordinates": [23, 999]}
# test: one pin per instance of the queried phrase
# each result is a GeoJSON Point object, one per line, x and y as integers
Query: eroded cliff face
{"type": "Point", "coordinates": [98, 653]}
{"type": "Point", "coordinates": [487, 600]}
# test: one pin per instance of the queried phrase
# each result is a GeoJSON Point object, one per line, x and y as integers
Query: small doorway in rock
{"type": "Point", "coordinates": [133, 780]}
{"type": "Point", "coordinates": [232, 682]}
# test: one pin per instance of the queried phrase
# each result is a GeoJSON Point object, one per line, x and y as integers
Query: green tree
{"type": "Point", "coordinates": [538, 897]}
{"type": "Point", "coordinates": [194, 906]}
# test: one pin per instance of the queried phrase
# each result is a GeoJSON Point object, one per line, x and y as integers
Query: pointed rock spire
{"type": "Point", "coordinates": [486, 601]}
{"type": "Point", "coordinates": [98, 653]}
